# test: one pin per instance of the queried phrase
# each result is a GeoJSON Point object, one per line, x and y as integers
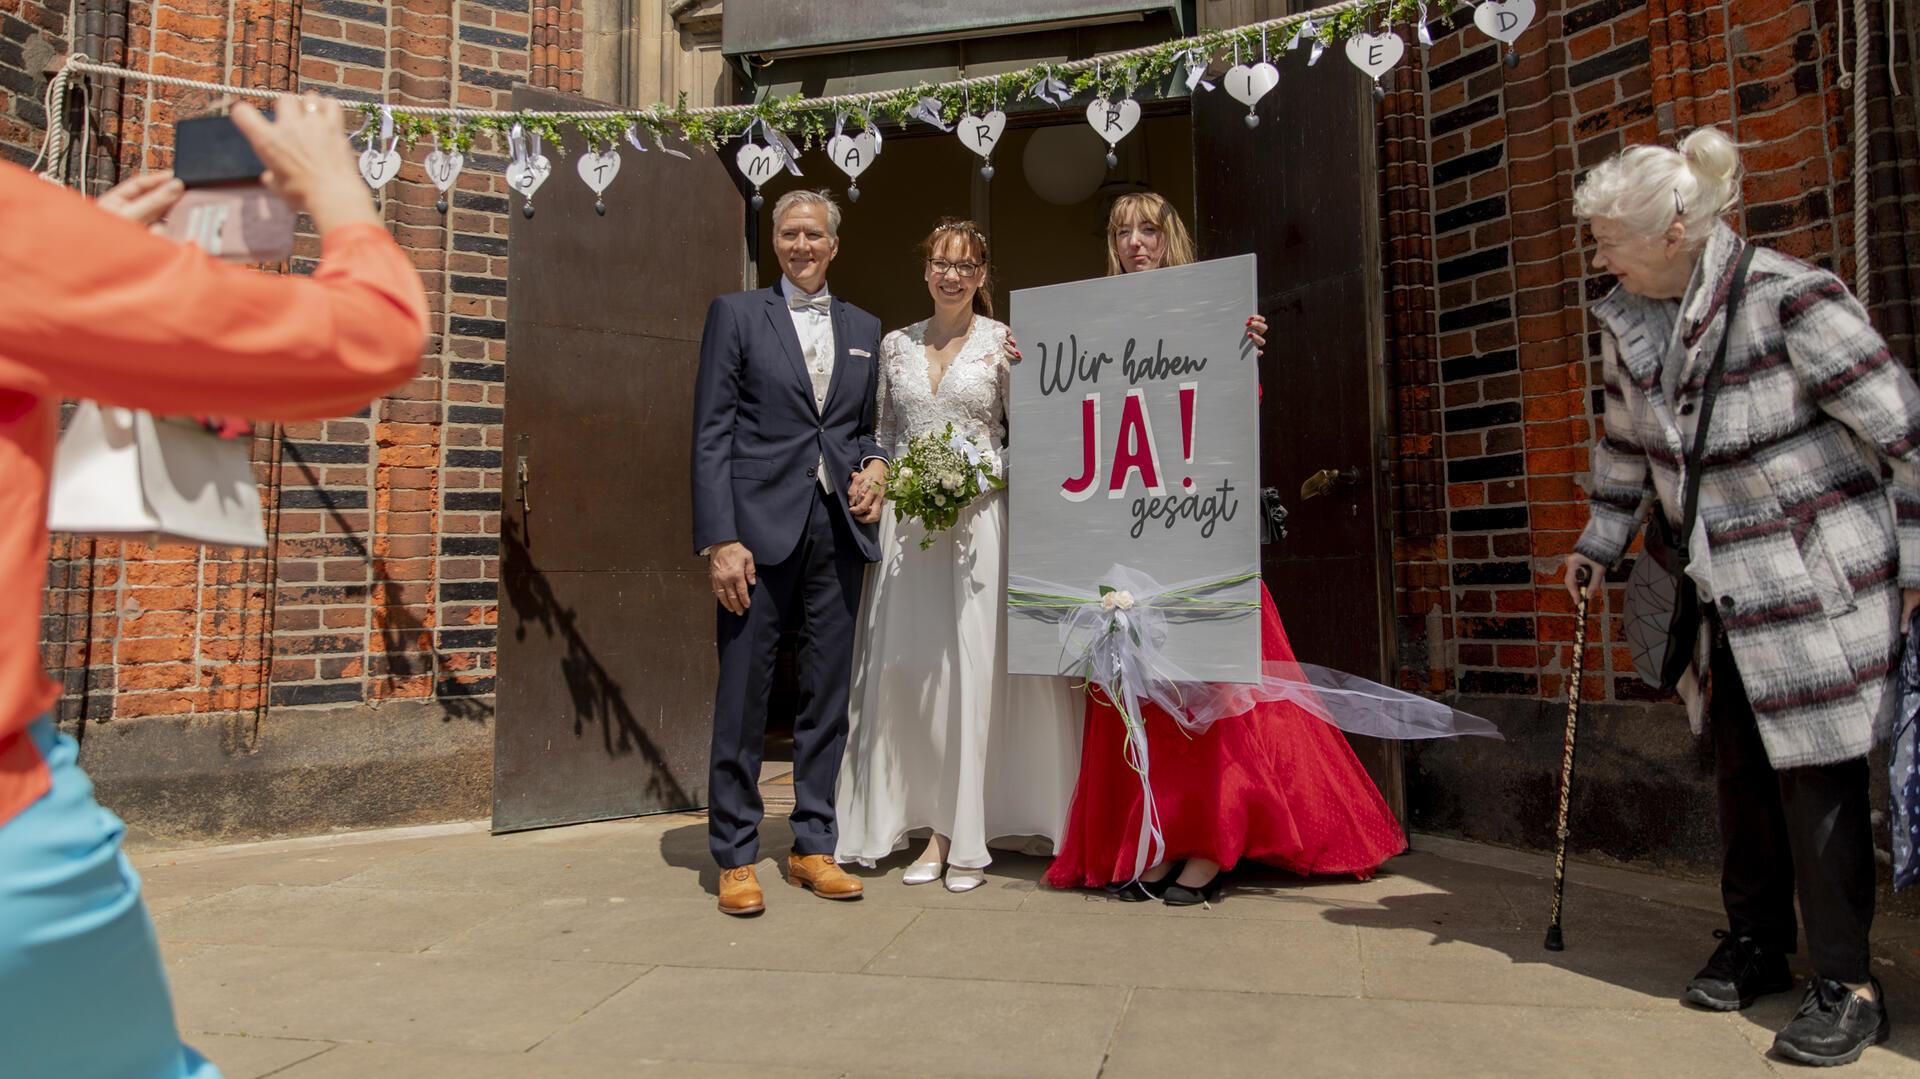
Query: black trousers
{"type": "Point", "coordinates": [820, 581]}
{"type": "Point", "coordinates": [1797, 829]}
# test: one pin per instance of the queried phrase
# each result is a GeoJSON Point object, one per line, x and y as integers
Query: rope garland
{"type": "Point", "coordinates": [811, 119]}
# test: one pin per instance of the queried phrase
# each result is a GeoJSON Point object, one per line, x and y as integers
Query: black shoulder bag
{"type": "Point", "coordinates": [1663, 605]}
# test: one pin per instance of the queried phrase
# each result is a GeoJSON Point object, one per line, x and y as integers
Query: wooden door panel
{"type": "Point", "coordinates": [606, 666]}
{"type": "Point", "coordinates": [1300, 191]}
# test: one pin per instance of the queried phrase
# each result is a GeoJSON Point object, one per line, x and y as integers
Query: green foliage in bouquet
{"type": "Point", "coordinates": [937, 477]}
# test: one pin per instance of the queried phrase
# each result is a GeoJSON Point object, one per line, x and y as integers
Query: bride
{"type": "Point", "coordinates": [940, 736]}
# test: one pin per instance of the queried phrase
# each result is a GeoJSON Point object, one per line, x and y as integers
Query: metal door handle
{"type": "Point", "coordinates": [1325, 480]}
{"type": "Point", "coordinates": [521, 477]}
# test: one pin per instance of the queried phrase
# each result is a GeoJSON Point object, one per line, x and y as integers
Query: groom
{"type": "Point", "coordinates": [787, 485]}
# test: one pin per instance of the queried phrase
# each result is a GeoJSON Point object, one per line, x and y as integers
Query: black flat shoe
{"type": "Point", "coordinates": [1139, 891]}
{"type": "Point", "coordinates": [1179, 895]}
{"type": "Point", "coordinates": [1740, 971]}
{"type": "Point", "coordinates": [1833, 1025]}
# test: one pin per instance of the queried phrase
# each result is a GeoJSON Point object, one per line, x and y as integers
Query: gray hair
{"type": "Point", "coordinates": [1648, 188]}
{"type": "Point", "coordinates": [804, 197]}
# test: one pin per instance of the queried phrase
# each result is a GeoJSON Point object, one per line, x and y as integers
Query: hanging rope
{"type": "Point", "coordinates": [88, 66]}
{"type": "Point", "coordinates": [1862, 182]}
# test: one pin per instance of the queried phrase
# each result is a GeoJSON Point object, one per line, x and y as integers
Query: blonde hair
{"type": "Point", "coordinates": [1648, 188]}
{"type": "Point", "coordinates": [803, 197]}
{"type": "Point", "coordinates": [1176, 243]}
{"type": "Point", "coordinates": [975, 241]}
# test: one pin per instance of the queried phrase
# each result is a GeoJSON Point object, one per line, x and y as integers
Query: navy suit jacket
{"type": "Point", "coordinates": [757, 437]}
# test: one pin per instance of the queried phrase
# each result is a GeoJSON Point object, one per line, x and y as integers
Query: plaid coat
{"type": "Point", "coordinates": [1809, 492]}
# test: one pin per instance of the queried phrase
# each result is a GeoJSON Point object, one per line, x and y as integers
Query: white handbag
{"type": "Point", "coordinates": [121, 472]}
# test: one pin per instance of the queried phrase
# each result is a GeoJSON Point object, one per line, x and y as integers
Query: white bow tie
{"type": "Point", "coordinates": [820, 302]}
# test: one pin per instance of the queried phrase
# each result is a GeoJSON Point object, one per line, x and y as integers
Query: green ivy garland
{"type": "Point", "coordinates": [809, 124]}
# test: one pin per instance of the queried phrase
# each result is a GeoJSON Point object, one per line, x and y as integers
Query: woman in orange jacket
{"type": "Point", "coordinates": [94, 305]}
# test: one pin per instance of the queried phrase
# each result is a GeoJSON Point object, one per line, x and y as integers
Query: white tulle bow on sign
{"type": "Point", "coordinates": [1115, 638]}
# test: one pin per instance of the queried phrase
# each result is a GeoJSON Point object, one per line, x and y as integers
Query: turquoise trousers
{"type": "Point", "coordinates": [82, 992]}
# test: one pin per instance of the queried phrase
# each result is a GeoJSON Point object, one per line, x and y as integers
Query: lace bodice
{"type": "Point", "coordinates": [972, 396]}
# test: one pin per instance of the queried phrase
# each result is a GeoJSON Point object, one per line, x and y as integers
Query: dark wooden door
{"type": "Point", "coordinates": [1301, 192]}
{"type": "Point", "coordinates": [606, 668]}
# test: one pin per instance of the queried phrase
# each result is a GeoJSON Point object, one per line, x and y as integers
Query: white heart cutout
{"type": "Point", "coordinates": [759, 163]}
{"type": "Point", "coordinates": [1113, 120]}
{"type": "Point", "coordinates": [443, 168]}
{"type": "Point", "coordinates": [981, 133]}
{"type": "Point", "coordinates": [1504, 20]}
{"type": "Point", "coordinates": [527, 176]}
{"type": "Point", "coordinates": [1375, 54]}
{"type": "Point", "coordinates": [852, 154]}
{"type": "Point", "coordinates": [377, 168]}
{"type": "Point", "coordinates": [598, 169]}
{"type": "Point", "coordinates": [1248, 85]}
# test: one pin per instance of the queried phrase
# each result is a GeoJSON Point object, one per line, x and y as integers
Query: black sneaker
{"type": "Point", "coordinates": [1834, 1025]}
{"type": "Point", "coordinates": [1741, 970]}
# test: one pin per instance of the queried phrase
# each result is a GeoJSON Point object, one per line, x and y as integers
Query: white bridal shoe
{"type": "Point", "coordinates": [964, 880]}
{"type": "Point", "coordinates": [922, 873]}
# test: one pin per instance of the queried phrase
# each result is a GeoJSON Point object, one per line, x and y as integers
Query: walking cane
{"type": "Point", "coordinates": [1554, 941]}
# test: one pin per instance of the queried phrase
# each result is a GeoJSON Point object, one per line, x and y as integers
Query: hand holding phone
{"type": "Point", "coordinates": [225, 210]}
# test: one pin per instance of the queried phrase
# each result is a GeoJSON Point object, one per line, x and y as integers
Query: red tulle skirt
{"type": "Point", "coordinates": [1273, 785]}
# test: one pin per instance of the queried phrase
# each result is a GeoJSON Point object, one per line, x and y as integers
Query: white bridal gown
{"type": "Point", "coordinates": [941, 736]}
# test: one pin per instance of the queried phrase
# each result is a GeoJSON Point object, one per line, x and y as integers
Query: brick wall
{"type": "Point", "coordinates": [1517, 361]}
{"type": "Point", "coordinates": [379, 581]}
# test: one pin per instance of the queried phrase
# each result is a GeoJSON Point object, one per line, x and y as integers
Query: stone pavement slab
{"type": "Point", "coordinates": [596, 951]}
{"type": "Point", "coordinates": [334, 995]}
{"type": "Point", "coordinates": [881, 1025]}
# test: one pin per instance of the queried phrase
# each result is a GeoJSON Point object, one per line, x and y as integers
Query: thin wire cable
{"type": "Point", "coordinates": [82, 63]}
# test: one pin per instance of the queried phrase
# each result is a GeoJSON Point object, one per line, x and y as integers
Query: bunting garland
{"type": "Point", "coordinates": [788, 125]}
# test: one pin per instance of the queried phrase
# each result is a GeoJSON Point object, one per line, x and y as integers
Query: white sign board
{"type": "Point", "coordinates": [1135, 441]}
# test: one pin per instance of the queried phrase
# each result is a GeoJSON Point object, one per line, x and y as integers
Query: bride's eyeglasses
{"type": "Point", "coordinates": [967, 270]}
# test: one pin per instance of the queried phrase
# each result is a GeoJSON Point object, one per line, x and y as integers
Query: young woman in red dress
{"type": "Point", "coordinates": [1274, 784]}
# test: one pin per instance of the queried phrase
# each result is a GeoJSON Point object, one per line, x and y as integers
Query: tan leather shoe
{"type": "Point", "coordinates": [740, 892]}
{"type": "Point", "coordinates": [818, 874]}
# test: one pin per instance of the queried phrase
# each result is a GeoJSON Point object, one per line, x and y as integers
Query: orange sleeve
{"type": "Point", "coordinates": [92, 305]}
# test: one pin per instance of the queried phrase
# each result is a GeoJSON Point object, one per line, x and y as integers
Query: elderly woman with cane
{"type": "Point", "coordinates": [1799, 533]}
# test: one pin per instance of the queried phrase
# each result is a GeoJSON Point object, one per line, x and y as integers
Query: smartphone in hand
{"type": "Point", "coordinates": [225, 211]}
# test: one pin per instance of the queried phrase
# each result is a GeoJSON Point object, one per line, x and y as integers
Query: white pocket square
{"type": "Point", "coordinates": [860, 352]}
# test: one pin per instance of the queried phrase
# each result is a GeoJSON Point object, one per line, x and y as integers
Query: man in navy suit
{"type": "Point", "coordinates": [787, 485]}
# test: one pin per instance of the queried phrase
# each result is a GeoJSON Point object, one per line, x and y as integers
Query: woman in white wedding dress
{"type": "Point", "coordinates": [941, 738]}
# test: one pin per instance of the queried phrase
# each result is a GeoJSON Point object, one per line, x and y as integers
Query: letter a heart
{"type": "Point", "coordinates": [852, 154]}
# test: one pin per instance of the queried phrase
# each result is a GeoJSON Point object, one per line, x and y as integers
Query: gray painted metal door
{"type": "Point", "coordinates": [606, 666]}
{"type": "Point", "coordinates": [1300, 190]}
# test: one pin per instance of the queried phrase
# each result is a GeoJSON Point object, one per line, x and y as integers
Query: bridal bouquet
{"type": "Point", "coordinates": [935, 479]}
